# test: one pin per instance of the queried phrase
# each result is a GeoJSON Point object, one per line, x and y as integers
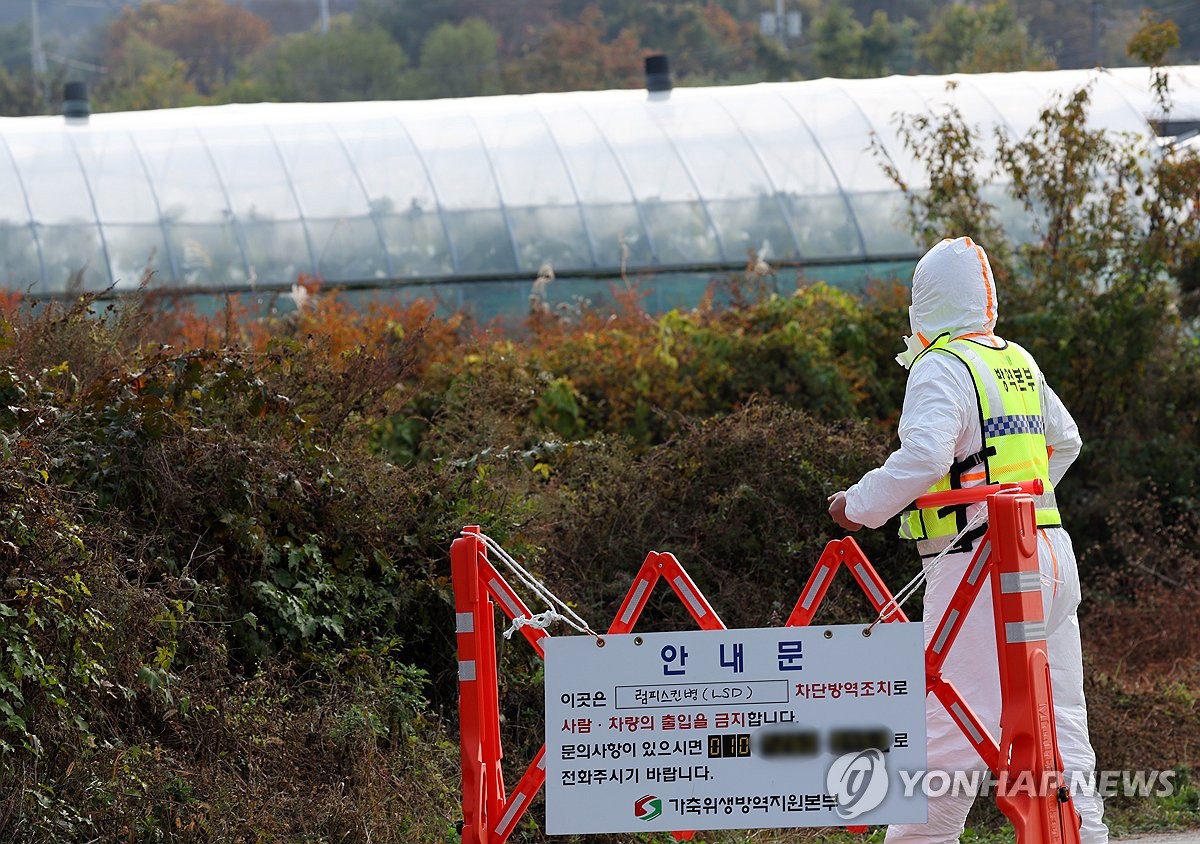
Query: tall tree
{"type": "Point", "coordinates": [459, 61]}
{"type": "Point", "coordinates": [14, 46]}
{"type": "Point", "coordinates": [703, 39]}
{"type": "Point", "coordinates": [880, 45]}
{"type": "Point", "coordinates": [20, 94]}
{"type": "Point", "coordinates": [837, 40]}
{"type": "Point", "coordinates": [407, 21]}
{"type": "Point", "coordinates": [518, 23]}
{"type": "Point", "coordinates": [145, 76]}
{"type": "Point", "coordinates": [576, 57]}
{"type": "Point", "coordinates": [347, 63]}
{"type": "Point", "coordinates": [965, 39]}
{"type": "Point", "coordinates": [210, 36]}
{"type": "Point", "coordinates": [1064, 28]}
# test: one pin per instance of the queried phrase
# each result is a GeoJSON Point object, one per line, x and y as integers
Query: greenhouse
{"type": "Point", "coordinates": [454, 193]}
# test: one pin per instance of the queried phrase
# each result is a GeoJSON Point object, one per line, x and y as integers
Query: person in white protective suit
{"type": "Point", "coordinates": [977, 410]}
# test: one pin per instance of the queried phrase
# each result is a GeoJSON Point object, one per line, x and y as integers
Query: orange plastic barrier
{"type": "Point", "coordinates": [1026, 759]}
{"type": "Point", "coordinates": [488, 818]}
{"type": "Point", "coordinates": [1007, 557]}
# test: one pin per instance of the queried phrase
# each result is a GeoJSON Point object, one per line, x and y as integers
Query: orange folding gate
{"type": "Point", "coordinates": [1006, 558]}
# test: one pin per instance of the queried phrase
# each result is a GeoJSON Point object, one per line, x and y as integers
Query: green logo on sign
{"type": "Point", "coordinates": [647, 807]}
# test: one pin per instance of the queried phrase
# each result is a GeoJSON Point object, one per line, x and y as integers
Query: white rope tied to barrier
{"type": "Point", "coordinates": [909, 589]}
{"type": "Point", "coordinates": [540, 620]}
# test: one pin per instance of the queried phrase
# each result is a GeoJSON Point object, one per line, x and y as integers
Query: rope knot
{"type": "Point", "coordinates": [540, 621]}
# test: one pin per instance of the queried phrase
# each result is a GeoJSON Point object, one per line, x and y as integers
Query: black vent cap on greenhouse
{"type": "Point", "coordinates": [658, 73]}
{"type": "Point", "coordinates": [75, 100]}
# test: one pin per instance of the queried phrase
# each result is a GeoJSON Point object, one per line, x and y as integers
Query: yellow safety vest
{"type": "Point", "coordinates": [1008, 397]}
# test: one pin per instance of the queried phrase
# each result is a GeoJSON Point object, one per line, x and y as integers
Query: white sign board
{"type": "Point", "coordinates": [734, 729]}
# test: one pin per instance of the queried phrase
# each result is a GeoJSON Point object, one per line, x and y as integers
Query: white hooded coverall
{"type": "Point", "coordinates": [953, 291]}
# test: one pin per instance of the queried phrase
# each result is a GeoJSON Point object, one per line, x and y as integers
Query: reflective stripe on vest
{"type": "Point", "coordinates": [1008, 398]}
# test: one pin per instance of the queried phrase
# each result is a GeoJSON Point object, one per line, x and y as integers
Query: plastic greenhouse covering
{"type": "Point", "coordinates": [246, 196]}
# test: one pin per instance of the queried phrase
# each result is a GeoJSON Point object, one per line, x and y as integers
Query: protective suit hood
{"type": "Point", "coordinates": [953, 291]}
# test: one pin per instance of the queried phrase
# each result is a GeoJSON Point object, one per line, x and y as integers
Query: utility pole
{"type": "Point", "coordinates": [1096, 32]}
{"type": "Point", "coordinates": [324, 17]}
{"type": "Point", "coordinates": [37, 53]}
{"type": "Point", "coordinates": [783, 25]}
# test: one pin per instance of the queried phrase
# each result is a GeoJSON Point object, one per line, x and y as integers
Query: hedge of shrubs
{"type": "Point", "coordinates": [226, 610]}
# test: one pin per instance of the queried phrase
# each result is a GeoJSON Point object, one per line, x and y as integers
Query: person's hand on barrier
{"type": "Point", "coordinates": [837, 512]}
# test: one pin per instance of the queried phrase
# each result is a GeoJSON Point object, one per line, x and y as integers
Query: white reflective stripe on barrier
{"type": "Point", "coordinates": [690, 597]}
{"type": "Point", "coordinates": [966, 723]}
{"type": "Point", "coordinates": [979, 564]}
{"type": "Point", "coordinates": [503, 597]}
{"type": "Point", "coordinates": [951, 617]}
{"type": "Point", "coordinates": [511, 815]}
{"type": "Point", "coordinates": [466, 670]}
{"type": "Point", "coordinates": [464, 622]}
{"type": "Point", "coordinates": [822, 573]}
{"type": "Point", "coordinates": [638, 591]}
{"type": "Point", "coordinates": [1024, 631]}
{"type": "Point", "coordinates": [1020, 581]}
{"type": "Point", "coordinates": [868, 583]}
